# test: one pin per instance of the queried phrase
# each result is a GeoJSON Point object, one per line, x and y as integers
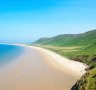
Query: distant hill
{"type": "Point", "coordinates": [86, 38]}
{"type": "Point", "coordinates": [41, 40]}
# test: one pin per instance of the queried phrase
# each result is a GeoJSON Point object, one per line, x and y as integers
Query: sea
{"type": "Point", "coordinates": [9, 53]}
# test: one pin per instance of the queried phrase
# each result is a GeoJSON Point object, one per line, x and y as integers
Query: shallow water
{"type": "Point", "coordinates": [9, 53]}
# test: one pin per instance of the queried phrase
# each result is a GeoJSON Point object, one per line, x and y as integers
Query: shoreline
{"type": "Point", "coordinates": [71, 64]}
{"type": "Point", "coordinates": [64, 62]}
{"type": "Point", "coordinates": [56, 67]}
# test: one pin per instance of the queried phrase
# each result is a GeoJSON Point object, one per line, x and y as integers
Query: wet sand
{"type": "Point", "coordinates": [40, 69]}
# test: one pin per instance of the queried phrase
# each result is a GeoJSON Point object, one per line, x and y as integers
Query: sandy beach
{"type": "Point", "coordinates": [40, 69]}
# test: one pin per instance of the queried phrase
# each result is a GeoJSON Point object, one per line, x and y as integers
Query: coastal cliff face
{"type": "Point", "coordinates": [87, 82]}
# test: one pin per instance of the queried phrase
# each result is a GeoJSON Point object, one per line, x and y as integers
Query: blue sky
{"type": "Point", "coordinates": [28, 20]}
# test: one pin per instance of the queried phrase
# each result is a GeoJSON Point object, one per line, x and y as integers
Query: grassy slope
{"type": "Point", "coordinates": [69, 39]}
{"type": "Point", "coordinates": [80, 47]}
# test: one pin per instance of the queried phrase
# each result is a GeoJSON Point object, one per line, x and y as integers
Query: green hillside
{"type": "Point", "coordinates": [78, 47]}
{"type": "Point", "coordinates": [41, 40]}
{"type": "Point", "coordinates": [69, 39]}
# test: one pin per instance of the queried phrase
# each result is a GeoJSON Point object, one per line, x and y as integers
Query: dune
{"type": "Point", "coordinates": [40, 69]}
